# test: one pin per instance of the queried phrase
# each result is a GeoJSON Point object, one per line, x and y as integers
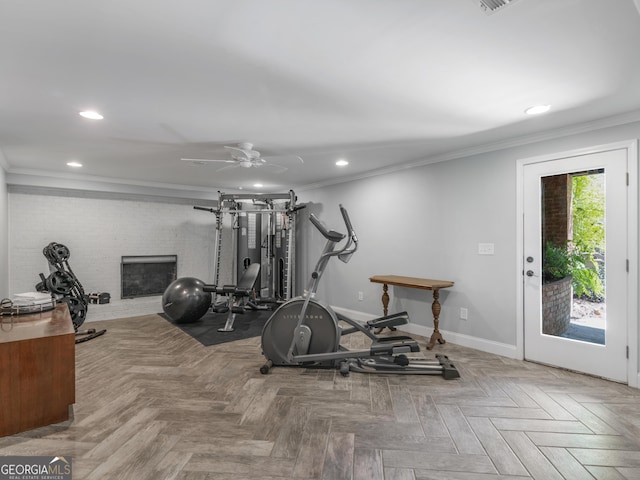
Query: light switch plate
{"type": "Point", "coordinates": [485, 249]}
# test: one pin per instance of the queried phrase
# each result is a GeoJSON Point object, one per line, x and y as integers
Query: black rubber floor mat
{"type": "Point", "coordinates": [206, 331]}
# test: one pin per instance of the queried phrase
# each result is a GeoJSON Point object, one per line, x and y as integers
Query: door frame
{"type": "Point", "coordinates": [631, 147]}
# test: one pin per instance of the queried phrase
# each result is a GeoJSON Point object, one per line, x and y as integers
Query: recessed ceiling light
{"type": "Point", "coordinates": [537, 109]}
{"type": "Point", "coordinates": [74, 164]}
{"type": "Point", "coordinates": [342, 163]}
{"type": "Point", "coordinates": [91, 115]}
{"type": "Point", "coordinates": [257, 185]}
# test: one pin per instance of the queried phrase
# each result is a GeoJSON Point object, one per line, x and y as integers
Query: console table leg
{"type": "Point", "coordinates": [385, 299]}
{"type": "Point", "coordinates": [436, 336]}
{"type": "Point", "coordinates": [385, 307]}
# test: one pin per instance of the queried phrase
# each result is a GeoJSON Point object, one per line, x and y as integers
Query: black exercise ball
{"type": "Point", "coordinates": [185, 300]}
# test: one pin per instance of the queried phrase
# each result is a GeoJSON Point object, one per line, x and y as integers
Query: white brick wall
{"type": "Point", "coordinates": [98, 232]}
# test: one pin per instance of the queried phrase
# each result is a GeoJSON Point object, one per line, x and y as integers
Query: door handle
{"type": "Point", "coordinates": [531, 274]}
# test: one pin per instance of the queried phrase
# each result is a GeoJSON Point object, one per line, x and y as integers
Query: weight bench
{"type": "Point", "coordinates": [236, 295]}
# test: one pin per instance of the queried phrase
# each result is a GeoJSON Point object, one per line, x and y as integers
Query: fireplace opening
{"type": "Point", "coordinates": [147, 275]}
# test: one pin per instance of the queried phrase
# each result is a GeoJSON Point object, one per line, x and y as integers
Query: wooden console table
{"type": "Point", "coordinates": [37, 369]}
{"type": "Point", "coordinates": [423, 284]}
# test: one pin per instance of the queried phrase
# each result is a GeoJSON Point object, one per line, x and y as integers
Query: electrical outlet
{"type": "Point", "coordinates": [464, 313]}
{"type": "Point", "coordinates": [360, 296]}
{"type": "Point", "coordinates": [485, 249]}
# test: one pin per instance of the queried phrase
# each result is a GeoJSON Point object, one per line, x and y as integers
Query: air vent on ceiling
{"type": "Point", "coordinates": [492, 6]}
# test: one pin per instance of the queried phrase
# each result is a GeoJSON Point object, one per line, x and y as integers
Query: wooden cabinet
{"type": "Point", "coordinates": [37, 370]}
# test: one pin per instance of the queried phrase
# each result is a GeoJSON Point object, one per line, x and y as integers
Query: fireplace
{"type": "Point", "coordinates": [147, 275]}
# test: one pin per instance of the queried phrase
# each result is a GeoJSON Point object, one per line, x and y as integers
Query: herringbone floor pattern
{"type": "Point", "coordinates": [152, 403]}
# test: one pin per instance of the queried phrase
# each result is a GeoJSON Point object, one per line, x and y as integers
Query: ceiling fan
{"type": "Point", "coordinates": [242, 155]}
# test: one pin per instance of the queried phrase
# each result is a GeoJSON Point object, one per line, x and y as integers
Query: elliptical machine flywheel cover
{"type": "Point", "coordinates": [278, 331]}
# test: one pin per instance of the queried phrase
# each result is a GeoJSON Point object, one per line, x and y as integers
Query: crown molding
{"type": "Point", "coordinates": [25, 179]}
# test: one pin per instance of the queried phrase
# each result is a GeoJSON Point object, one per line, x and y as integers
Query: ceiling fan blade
{"type": "Point", "coordinates": [229, 147]}
{"type": "Point", "coordinates": [258, 162]}
{"type": "Point", "coordinates": [135, 141]}
{"type": "Point", "coordinates": [288, 156]}
{"type": "Point", "coordinates": [228, 167]}
{"type": "Point", "coordinates": [247, 152]}
{"type": "Point", "coordinates": [279, 168]}
{"type": "Point", "coordinates": [205, 160]}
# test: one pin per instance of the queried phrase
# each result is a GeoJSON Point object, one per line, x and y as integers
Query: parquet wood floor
{"type": "Point", "coordinates": [153, 403]}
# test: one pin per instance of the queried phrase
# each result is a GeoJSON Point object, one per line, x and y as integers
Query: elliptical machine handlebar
{"type": "Point", "coordinates": [350, 247]}
{"type": "Point", "coordinates": [347, 220]}
{"type": "Point", "coordinates": [328, 234]}
{"type": "Point", "coordinates": [352, 244]}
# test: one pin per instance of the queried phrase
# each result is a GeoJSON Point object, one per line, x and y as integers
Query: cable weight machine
{"type": "Point", "coordinates": [262, 231]}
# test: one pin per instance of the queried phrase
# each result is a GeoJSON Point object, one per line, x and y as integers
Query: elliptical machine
{"type": "Point", "coordinates": [305, 332]}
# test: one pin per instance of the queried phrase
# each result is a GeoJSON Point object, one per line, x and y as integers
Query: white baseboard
{"type": "Point", "coordinates": [489, 346]}
{"type": "Point", "coordinates": [482, 344]}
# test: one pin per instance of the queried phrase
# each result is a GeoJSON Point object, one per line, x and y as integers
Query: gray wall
{"type": "Point", "coordinates": [427, 222]}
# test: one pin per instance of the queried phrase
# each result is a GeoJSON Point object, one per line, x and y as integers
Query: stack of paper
{"type": "Point", "coordinates": [31, 298]}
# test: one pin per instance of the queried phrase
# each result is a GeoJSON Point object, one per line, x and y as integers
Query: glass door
{"type": "Point", "coordinates": [575, 282]}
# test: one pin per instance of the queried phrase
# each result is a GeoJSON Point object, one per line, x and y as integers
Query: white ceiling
{"type": "Point", "coordinates": [379, 82]}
